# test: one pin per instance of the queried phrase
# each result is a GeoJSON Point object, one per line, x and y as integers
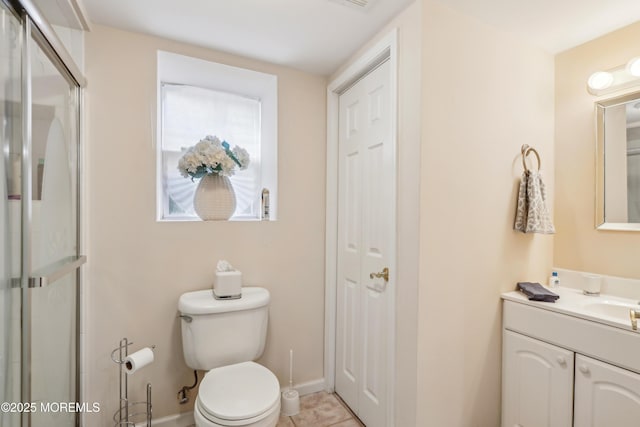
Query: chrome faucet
{"type": "Point", "coordinates": [634, 315]}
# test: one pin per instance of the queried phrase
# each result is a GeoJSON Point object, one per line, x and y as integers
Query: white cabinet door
{"type": "Point", "coordinates": [366, 236]}
{"type": "Point", "coordinates": [606, 396]}
{"type": "Point", "coordinates": [537, 383]}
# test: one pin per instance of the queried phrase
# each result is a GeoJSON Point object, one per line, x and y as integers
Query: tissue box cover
{"type": "Point", "coordinates": [227, 283]}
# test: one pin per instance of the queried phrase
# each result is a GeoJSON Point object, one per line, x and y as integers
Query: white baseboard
{"type": "Point", "coordinates": [309, 387]}
{"type": "Point", "coordinates": [185, 419]}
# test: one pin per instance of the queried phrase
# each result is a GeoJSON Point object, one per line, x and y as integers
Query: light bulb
{"type": "Point", "coordinates": [600, 80]}
{"type": "Point", "coordinates": [633, 66]}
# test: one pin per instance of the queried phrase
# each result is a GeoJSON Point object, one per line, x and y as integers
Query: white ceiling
{"type": "Point", "coordinates": [312, 35]}
{"type": "Point", "coordinates": [319, 35]}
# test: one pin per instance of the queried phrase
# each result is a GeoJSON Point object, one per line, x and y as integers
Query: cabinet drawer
{"type": "Point", "coordinates": [606, 343]}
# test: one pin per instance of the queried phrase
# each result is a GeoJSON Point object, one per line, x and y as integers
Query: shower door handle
{"type": "Point", "coordinates": [49, 274]}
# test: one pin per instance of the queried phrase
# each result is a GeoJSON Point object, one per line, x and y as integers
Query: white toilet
{"type": "Point", "coordinates": [223, 337]}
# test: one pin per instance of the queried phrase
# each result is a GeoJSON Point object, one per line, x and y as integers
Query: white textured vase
{"type": "Point", "coordinates": [214, 198]}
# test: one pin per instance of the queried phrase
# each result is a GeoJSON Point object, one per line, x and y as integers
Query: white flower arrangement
{"type": "Point", "coordinates": [211, 156]}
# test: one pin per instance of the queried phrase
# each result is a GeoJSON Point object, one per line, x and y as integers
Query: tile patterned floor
{"type": "Point", "coordinates": [321, 410]}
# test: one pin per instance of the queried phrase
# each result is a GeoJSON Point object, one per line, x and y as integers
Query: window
{"type": "Point", "coordinates": [200, 98]}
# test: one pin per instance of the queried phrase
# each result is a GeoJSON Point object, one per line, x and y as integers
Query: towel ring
{"type": "Point", "coordinates": [526, 150]}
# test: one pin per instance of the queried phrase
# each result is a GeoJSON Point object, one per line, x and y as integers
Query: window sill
{"type": "Point", "coordinates": [195, 219]}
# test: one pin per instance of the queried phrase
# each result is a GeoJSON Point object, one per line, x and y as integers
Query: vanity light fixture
{"type": "Point", "coordinates": [621, 77]}
{"type": "Point", "coordinates": [633, 66]}
{"type": "Point", "coordinates": [600, 80]}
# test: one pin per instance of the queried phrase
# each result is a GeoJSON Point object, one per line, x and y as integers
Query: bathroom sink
{"type": "Point", "coordinates": [610, 308]}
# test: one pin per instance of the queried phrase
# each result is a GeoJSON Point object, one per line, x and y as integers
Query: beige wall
{"type": "Point", "coordinates": [578, 245]}
{"type": "Point", "coordinates": [484, 94]}
{"type": "Point", "coordinates": [408, 24]}
{"type": "Point", "coordinates": [139, 267]}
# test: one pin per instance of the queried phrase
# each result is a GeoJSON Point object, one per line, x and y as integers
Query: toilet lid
{"type": "Point", "coordinates": [240, 391]}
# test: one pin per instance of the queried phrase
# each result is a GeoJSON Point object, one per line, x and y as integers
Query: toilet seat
{"type": "Point", "coordinates": [238, 395]}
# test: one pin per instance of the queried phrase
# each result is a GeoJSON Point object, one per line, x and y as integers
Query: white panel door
{"type": "Point", "coordinates": [606, 396]}
{"type": "Point", "coordinates": [537, 383]}
{"type": "Point", "coordinates": [366, 233]}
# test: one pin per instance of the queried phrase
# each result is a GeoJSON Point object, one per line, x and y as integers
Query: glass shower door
{"type": "Point", "coordinates": [10, 211]}
{"type": "Point", "coordinates": [39, 261]}
{"type": "Point", "coordinates": [53, 283]}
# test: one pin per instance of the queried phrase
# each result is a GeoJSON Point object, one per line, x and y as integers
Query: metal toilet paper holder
{"type": "Point", "coordinates": [126, 413]}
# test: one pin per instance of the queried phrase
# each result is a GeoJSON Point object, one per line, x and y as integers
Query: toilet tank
{"type": "Point", "coordinates": [223, 332]}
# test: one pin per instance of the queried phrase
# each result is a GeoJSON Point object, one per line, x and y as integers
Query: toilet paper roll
{"type": "Point", "coordinates": [138, 360]}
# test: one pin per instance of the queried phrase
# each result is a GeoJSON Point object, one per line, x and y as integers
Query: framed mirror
{"type": "Point", "coordinates": [618, 163]}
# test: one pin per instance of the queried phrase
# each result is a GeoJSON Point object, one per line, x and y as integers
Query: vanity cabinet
{"type": "Point", "coordinates": [563, 371]}
{"type": "Point", "coordinates": [537, 383]}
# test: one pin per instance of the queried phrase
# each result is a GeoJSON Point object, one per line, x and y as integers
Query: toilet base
{"type": "Point", "coordinates": [270, 421]}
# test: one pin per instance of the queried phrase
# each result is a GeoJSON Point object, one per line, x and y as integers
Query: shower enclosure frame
{"type": "Point", "coordinates": [35, 28]}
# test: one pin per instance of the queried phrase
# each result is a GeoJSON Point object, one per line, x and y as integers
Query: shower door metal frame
{"type": "Point", "coordinates": [49, 36]}
{"type": "Point", "coordinates": [36, 28]}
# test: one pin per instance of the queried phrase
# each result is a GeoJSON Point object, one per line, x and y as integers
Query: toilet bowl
{"type": "Point", "coordinates": [223, 337]}
{"type": "Point", "coordinates": [245, 394]}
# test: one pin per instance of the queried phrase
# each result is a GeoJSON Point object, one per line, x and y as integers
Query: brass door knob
{"type": "Point", "coordinates": [383, 274]}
